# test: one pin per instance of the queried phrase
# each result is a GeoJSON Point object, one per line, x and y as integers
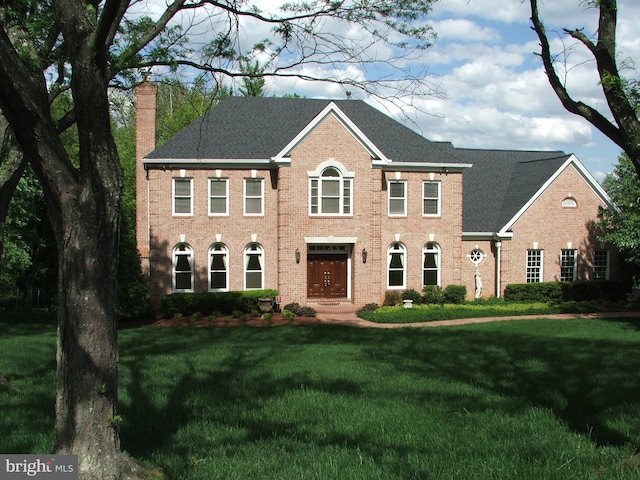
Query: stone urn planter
{"type": "Point", "coordinates": [265, 304]}
{"type": "Point", "coordinates": [407, 303]}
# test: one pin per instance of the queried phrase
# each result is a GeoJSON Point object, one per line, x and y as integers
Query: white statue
{"type": "Point", "coordinates": [478, 284]}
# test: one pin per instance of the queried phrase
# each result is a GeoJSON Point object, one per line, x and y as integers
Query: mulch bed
{"type": "Point", "coordinates": [277, 320]}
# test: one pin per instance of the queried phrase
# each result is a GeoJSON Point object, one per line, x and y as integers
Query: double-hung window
{"type": "Point", "coordinates": [396, 265]}
{"type": "Point", "coordinates": [568, 263]}
{"type": "Point", "coordinates": [183, 196]}
{"type": "Point", "coordinates": [534, 266]}
{"type": "Point", "coordinates": [183, 268]}
{"type": "Point", "coordinates": [254, 196]}
{"type": "Point", "coordinates": [397, 198]}
{"type": "Point", "coordinates": [253, 266]}
{"type": "Point", "coordinates": [218, 196]}
{"type": "Point", "coordinates": [601, 265]}
{"type": "Point", "coordinates": [218, 267]}
{"type": "Point", "coordinates": [431, 264]}
{"type": "Point", "coordinates": [330, 193]}
{"type": "Point", "coordinates": [431, 202]}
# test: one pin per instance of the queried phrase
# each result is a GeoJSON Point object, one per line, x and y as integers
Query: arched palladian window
{"type": "Point", "coordinates": [218, 267]}
{"type": "Point", "coordinates": [182, 262]}
{"type": "Point", "coordinates": [330, 190]}
{"type": "Point", "coordinates": [431, 264]}
{"type": "Point", "coordinates": [253, 266]}
{"type": "Point", "coordinates": [396, 263]}
{"type": "Point", "coordinates": [569, 202]}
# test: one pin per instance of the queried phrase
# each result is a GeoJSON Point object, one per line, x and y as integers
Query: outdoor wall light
{"type": "Point", "coordinates": [297, 255]}
{"type": "Point", "coordinates": [365, 254]}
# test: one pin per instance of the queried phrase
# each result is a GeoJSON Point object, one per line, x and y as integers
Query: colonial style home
{"type": "Point", "coordinates": [333, 201]}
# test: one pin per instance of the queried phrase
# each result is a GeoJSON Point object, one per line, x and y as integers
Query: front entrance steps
{"type": "Point", "coordinates": [330, 306]}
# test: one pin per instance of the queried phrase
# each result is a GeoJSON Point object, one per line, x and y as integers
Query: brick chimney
{"type": "Point", "coordinates": [145, 143]}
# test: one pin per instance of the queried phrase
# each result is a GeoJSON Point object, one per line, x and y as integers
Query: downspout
{"type": "Point", "coordinates": [498, 245]}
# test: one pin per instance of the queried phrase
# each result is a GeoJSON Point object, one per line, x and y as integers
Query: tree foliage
{"type": "Point", "coordinates": [621, 226]}
{"type": "Point", "coordinates": [622, 125]}
{"type": "Point", "coordinates": [70, 53]}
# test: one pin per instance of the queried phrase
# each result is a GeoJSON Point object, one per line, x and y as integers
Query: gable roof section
{"type": "Point", "coordinates": [244, 129]}
{"type": "Point", "coordinates": [502, 184]}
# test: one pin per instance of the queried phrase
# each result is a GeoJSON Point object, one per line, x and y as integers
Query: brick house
{"type": "Point", "coordinates": [334, 200]}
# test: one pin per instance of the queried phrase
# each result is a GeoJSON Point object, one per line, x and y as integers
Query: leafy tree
{"type": "Point", "coordinates": [621, 93]}
{"type": "Point", "coordinates": [253, 80]}
{"type": "Point", "coordinates": [621, 226]}
{"type": "Point", "coordinates": [48, 47]}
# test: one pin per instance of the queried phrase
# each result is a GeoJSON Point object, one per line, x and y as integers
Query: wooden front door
{"type": "Point", "coordinates": [327, 275]}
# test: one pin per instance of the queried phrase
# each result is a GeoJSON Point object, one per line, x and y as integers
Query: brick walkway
{"type": "Point", "coordinates": [351, 319]}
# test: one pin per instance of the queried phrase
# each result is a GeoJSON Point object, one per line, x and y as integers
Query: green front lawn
{"type": "Point", "coordinates": [537, 399]}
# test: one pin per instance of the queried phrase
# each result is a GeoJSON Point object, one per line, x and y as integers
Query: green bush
{"type": "Point", "coordinates": [432, 294]}
{"type": "Point", "coordinates": [392, 298]}
{"type": "Point", "coordinates": [413, 295]}
{"type": "Point", "coordinates": [292, 307]}
{"type": "Point", "coordinates": [455, 294]}
{"type": "Point", "coordinates": [306, 312]}
{"type": "Point", "coordinates": [209, 302]}
{"type": "Point", "coordinates": [288, 314]}
{"type": "Point", "coordinates": [579, 291]}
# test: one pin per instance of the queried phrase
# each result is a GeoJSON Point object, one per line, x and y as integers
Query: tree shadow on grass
{"type": "Point", "coordinates": [225, 377]}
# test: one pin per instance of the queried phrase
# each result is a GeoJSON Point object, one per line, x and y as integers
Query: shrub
{"type": "Point", "coordinates": [455, 294]}
{"type": "Point", "coordinates": [582, 290]}
{"type": "Point", "coordinates": [208, 302]}
{"type": "Point", "coordinates": [306, 312]}
{"type": "Point", "coordinates": [370, 307]}
{"type": "Point", "coordinates": [392, 298]}
{"type": "Point", "coordinates": [292, 307]}
{"type": "Point", "coordinates": [288, 314]}
{"type": "Point", "coordinates": [267, 316]}
{"type": "Point", "coordinates": [413, 295]}
{"type": "Point", "coordinates": [432, 294]}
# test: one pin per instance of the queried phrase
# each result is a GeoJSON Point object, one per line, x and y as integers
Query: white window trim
{"type": "Point", "coordinates": [226, 197]}
{"type": "Point", "coordinates": [245, 262]}
{"type": "Point", "coordinates": [345, 176]}
{"type": "Point", "coordinates": [575, 263]}
{"type": "Point", "coordinates": [390, 251]}
{"type": "Point", "coordinates": [404, 198]}
{"type": "Point", "coordinates": [225, 251]}
{"type": "Point", "coordinates": [244, 197]}
{"type": "Point", "coordinates": [173, 197]}
{"type": "Point", "coordinates": [438, 251]}
{"type": "Point", "coordinates": [174, 258]}
{"type": "Point", "coordinates": [541, 275]}
{"type": "Point", "coordinates": [439, 213]}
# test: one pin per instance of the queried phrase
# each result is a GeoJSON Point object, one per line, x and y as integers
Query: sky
{"type": "Point", "coordinates": [494, 91]}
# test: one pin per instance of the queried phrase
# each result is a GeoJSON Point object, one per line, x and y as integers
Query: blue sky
{"type": "Point", "coordinates": [496, 93]}
{"type": "Point", "coordinates": [493, 91]}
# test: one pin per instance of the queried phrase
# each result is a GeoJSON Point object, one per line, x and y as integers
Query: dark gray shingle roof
{"type": "Point", "coordinates": [259, 128]}
{"type": "Point", "coordinates": [501, 182]}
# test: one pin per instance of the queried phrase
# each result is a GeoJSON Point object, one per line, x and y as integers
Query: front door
{"type": "Point", "coordinates": [327, 275]}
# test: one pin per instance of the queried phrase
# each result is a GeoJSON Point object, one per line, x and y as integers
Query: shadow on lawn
{"type": "Point", "coordinates": [581, 380]}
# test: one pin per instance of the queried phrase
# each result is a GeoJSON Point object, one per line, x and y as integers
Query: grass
{"type": "Point", "coordinates": [535, 399]}
{"type": "Point", "coordinates": [475, 309]}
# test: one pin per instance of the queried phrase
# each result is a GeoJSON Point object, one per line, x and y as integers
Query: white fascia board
{"type": "Point", "coordinates": [591, 181]}
{"type": "Point", "coordinates": [209, 162]}
{"type": "Point", "coordinates": [353, 129]}
{"type": "Point", "coordinates": [468, 236]}
{"type": "Point", "coordinates": [420, 166]}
